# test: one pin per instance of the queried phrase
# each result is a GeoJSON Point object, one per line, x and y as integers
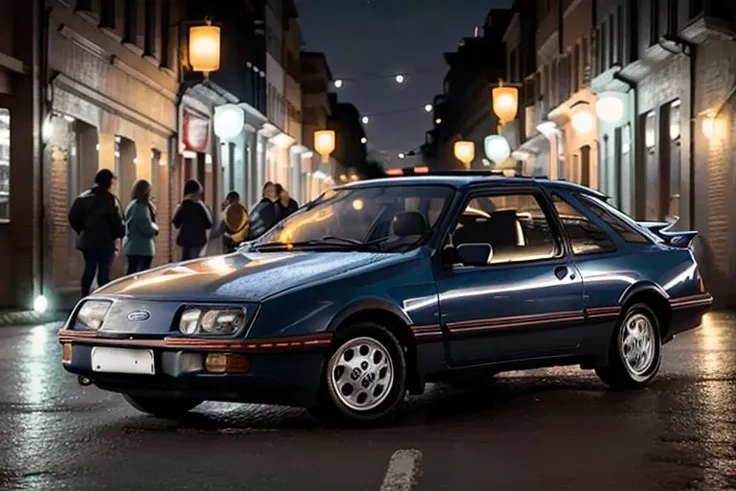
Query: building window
{"type": "Point", "coordinates": [165, 34]}
{"type": "Point", "coordinates": [585, 236]}
{"type": "Point", "coordinates": [674, 160]}
{"type": "Point", "coordinates": [515, 226]}
{"type": "Point", "coordinates": [107, 14]}
{"type": "Point", "coordinates": [611, 40]}
{"type": "Point", "coordinates": [575, 67]}
{"type": "Point", "coordinates": [672, 17]}
{"type": "Point", "coordinates": [620, 36]}
{"type": "Point", "coordinates": [4, 165]}
{"type": "Point", "coordinates": [149, 41]}
{"type": "Point", "coordinates": [585, 62]}
{"type": "Point", "coordinates": [654, 22]}
{"type": "Point", "coordinates": [131, 21]}
{"type": "Point", "coordinates": [602, 52]}
{"type": "Point", "coordinates": [652, 167]}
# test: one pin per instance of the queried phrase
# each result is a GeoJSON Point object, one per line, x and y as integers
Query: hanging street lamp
{"type": "Point", "coordinates": [465, 152]}
{"type": "Point", "coordinates": [505, 103]}
{"type": "Point", "coordinates": [204, 48]}
{"type": "Point", "coordinates": [324, 143]}
{"type": "Point", "coordinates": [497, 148]}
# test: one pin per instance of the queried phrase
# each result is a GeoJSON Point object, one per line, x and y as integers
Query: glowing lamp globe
{"type": "Point", "coordinates": [465, 152]}
{"type": "Point", "coordinates": [505, 103]}
{"type": "Point", "coordinates": [204, 48]}
{"type": "Point", "coordinates": [582, 121]}
{"type": "Point", "coordinates": [497, 148]}
{"type": "Point", "coordinates": [229, 121]}
{"type": "Point", "coordinates": [324, 143]}
{"type": "Point", "coordinates": [609, 108]}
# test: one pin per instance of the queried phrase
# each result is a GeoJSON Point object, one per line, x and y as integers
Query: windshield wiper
{"type": "Point", "coordinates": [328, 241]}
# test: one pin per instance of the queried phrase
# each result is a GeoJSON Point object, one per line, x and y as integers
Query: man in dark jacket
{"type": "Point", "coordinates": [193, 219]}
{"type": "Point", "coordinates": [263, 215]}
{"type": "Point", "coordinates": [96, 218]}
{"type": "Point", "coordinates": [285, 204]}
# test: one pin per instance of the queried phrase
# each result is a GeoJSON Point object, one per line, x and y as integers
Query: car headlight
{"type": "Point", "coordinates": [214, 321]}
{"type": "Point", "coordinates": [92, 314]}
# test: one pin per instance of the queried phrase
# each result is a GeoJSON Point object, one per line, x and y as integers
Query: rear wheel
{"type": "Point", "coordinates": [635, 351]}
{"type": "Point", "coordinates": [365, 376]}
{"type": "Point", "coordinates": [162, 407]}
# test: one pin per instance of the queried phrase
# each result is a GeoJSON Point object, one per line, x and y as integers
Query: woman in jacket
{"type": "Point", "coordinates": [141, 228]}
{"type": "Point", "coordinates": [193, 220]}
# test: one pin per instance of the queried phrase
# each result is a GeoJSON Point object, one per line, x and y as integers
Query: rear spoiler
{"type": "Point", "coordinates": [664, 232]}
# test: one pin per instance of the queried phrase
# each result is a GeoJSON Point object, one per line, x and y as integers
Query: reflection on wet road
{"type": "Point", "coordinates": [545, 429]}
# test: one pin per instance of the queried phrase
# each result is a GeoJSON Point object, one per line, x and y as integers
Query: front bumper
{"type": "Point", "coordinates": [285, 371]}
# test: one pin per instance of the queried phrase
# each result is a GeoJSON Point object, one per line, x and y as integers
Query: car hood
{"type": "Point", "coordinates": [243, 276]}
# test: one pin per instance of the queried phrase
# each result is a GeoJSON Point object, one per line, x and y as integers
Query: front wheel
{"type": "Point", "coordinates": [365, 376]}
{"type": "Point", "coordinates": [162, 407]}
{"type": "Point", "coordinates": [635, 351]}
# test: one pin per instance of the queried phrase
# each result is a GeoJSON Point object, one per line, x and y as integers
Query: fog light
{"type": "Point", "coordinates": [66, 350]}
{"type": "Point", "coordinates": [227, 363]}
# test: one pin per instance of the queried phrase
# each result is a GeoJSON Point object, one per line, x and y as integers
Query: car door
{"type": "Point", "coordinates": [527, 301]}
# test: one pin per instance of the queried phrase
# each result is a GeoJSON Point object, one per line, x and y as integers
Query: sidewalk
{"type": "Point", "coordinates": [29, 317]}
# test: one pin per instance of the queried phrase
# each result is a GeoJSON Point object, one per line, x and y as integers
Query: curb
{"type": "Point", "coordinates": [29, 318]}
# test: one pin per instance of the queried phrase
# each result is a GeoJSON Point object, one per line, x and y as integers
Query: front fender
{"type": "Point", "coordinates": [367, 304]}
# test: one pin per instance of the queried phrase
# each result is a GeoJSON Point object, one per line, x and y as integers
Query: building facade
{"type": "Point", "coordinates": [350, 147]}
{"type": "Point", "coordinates": [464, 110]}
{"type": "Point", "coordinates": [94, 87]}
{"type": "Point", "coordinates": [316, 80]}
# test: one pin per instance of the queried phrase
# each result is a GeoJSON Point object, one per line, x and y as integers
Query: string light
{"type": "Point", "coordinates": [365, 119]}
{"type": "Point", "coordinates": [364, 140]}
{"type": "Point", "coordinates": [337, 83]}
{"type": "Point", "coordinates": [428, 108]}
{"type": "Point", "coordinates": [396, 77]}
{"type": "Point", "coordinates": [402, 155]}
{"type": "Point", "coordinates": [438, 121]}
{"type": "Point", "coordinates": [399, 79]}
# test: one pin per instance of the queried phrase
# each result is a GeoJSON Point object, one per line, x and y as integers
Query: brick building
{"type": "Point", "coordinates": [91, 85]}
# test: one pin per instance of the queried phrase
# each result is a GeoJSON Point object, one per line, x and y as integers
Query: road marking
{"type": "Point", "coordinates": [403, 472]}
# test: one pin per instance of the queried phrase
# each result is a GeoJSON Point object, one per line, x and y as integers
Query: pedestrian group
{"type": "Point", "coordinates": [97, 219]}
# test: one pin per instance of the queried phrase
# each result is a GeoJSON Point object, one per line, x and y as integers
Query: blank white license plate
{"type": "Point", "coordinates": [117, 360]}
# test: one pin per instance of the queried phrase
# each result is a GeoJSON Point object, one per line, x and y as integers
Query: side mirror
{"type": "Point", "coordinates": [474, 254]}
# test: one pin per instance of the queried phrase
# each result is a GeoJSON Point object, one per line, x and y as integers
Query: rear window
{"type": "Point", "coordinates": [624, 230]}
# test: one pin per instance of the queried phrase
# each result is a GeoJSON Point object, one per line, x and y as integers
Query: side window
{"type": "Point", "coordinates": [585, 236]}
{"type": "Point", "coordinates": [514, 225]}
{"type": "Point", "coordinates": [626, 231]}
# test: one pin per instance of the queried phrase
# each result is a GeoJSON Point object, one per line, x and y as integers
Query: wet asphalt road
{"type": "Point", "coordinates": [555, 429]}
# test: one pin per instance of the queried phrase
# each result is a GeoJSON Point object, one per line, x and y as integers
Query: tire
{"type": "Point", "coordinates": [162, 407]}
{"type": "Point", "coordinates": [633, 367]}
{"type": "Point", "coordinates": [364, 379]}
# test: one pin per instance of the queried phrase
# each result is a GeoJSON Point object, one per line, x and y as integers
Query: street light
{"type": "Point", "coordinates": [364, 140]}
{"type": "Point", "coordinates": [497, 148]}
{"type": "Point", "coordinates": [402, 155]}
{"type": "Point", "coordinates": [438, 121]}
{"type": "Point", "coordinates": [505, 102]}
{"type": "Point", "coordinates": [465, 152]}
{"type": "Point", "coordinates": [428, 108]}
{"type": "Point", "coordinates": [204, 48]}
{"type": "Point", "coordinates": [324, 143]}
{"type": "Point", "coordinates": [609, 108]}
{"type": "Point", "coordinates": [399, 79]}
{"type": "Point", "coordinates": [365, 119]}
{"type": "Point", "coordinates": [582, 119]}
{"type": "Point", "coordinates": [337, 83]}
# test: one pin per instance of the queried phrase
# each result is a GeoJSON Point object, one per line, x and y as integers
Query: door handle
{"type": "Point", "coordinates": [561, 272]}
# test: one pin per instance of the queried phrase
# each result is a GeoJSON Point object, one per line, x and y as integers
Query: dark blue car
{"type": "Point", "coordinates": [378, 287]}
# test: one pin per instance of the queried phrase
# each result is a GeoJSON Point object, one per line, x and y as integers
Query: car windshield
{"type": "Point", "coordinates": [389, 218]}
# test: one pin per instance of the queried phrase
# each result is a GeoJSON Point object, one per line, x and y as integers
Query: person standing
{"type": "Point", "coordinates": [139, 244]}
{"type": "Point", "coordinates": [234, 226]}
{"type": "Point", "coordinates": [96, 218]}
{"type": "Point", "coordinates": [263, 215]}
{"type": "Point", "coordinates": [285, 205]}
{"type": "Point", "coordinates": [193, 220]}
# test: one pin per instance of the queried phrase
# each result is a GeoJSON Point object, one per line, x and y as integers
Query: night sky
{"type": "Point", "coordinates": [365, 37]}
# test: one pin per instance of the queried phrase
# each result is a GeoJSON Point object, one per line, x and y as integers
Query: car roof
{"type": "Point", "coordinates": [461, 181]}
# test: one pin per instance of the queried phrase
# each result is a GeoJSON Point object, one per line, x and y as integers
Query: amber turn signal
{"type": "Point", "coordinates": [227, 363]}
{"type": "Point", "coordinates": [66, 350]}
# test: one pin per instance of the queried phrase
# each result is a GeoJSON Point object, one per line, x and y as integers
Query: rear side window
{"type": "Point", "coordinates": [585, 236]}
{"type": "Point", "coordinates": [626, 231]}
